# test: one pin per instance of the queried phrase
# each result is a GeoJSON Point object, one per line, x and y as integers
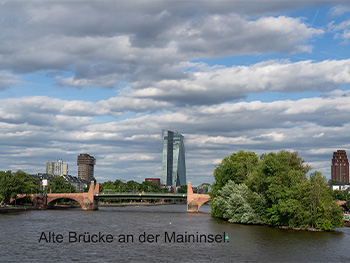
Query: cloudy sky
{"type": "Point", "coordinates": [105, 77]}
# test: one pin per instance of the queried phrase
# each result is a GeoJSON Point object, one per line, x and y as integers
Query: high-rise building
{"type": "Point", "coordinates": [86, 164]}
{"type": "Point", "coordinates": [57, 168]}
{"type": "Point", "coordinates": [174, 166]}
{"type": "Point", "coordinates": [340, 167]}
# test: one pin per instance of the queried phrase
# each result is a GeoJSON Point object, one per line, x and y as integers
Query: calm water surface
{"type": "Point", "coordinates": [20, 234]}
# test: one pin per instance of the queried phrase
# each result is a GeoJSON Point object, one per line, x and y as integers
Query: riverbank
{"type": "Point", "coordinates": [15, 209]}
{"type": "Point", "coordinates": [299, 228]}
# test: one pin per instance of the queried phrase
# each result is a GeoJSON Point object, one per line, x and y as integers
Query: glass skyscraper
{"type": "Point", "coordinates": [174, 166]}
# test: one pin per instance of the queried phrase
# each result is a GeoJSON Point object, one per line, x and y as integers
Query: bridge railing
{"type": "Point", "coordinates": [138, 193]}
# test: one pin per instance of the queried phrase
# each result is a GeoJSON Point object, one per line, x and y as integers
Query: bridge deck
{"type": "Point", "coordinates": [141, 195]}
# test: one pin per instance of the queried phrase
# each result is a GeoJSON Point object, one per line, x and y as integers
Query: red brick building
{"type": "Point", "coordinates": [340, 167]}
{"type": "Point", "coordinates": [153, 180]}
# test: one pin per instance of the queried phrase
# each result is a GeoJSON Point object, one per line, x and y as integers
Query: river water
{"type": "Point", "coordinates": [129, 234]}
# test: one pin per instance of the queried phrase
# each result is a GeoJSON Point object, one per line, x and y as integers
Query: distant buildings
{"type": "Point", "coordinates": [57, 168]}
{"type": "Point", "coordinates": [73, 180]}
{"type": "Point", "coordinates": [76, 182]}
{"type": "Point", "coordinates": [174, 166]}
{"type": "Point", "coordinates": [340, 167]}
{"type": "Point", "coordinates": [86, 164]}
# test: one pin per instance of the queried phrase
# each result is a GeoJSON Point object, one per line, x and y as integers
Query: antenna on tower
{"type": "Point", "coordinates": [170, 127]}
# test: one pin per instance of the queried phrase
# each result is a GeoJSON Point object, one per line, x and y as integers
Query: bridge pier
{"type": "Point", "coordinates": [194, 201]}
{"type": "Point", "coordinates": [89, 202]}
{"type": "Point", "coordinates": [88, 205]}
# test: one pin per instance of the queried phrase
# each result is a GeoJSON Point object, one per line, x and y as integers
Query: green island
{"type": "Point", "coordinates": [275, 190]}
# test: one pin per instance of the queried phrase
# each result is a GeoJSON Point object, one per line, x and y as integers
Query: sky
{"type": "Point", "coordinates": [105, 77]}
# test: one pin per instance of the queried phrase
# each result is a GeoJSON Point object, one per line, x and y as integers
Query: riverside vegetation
{"type": "Point", "coordinates": [12, 184]}
{"type": "Point", "coordinates": [273, 189]}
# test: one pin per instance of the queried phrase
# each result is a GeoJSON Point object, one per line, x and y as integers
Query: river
{"type": "Point", "coordinates": [158, 234]}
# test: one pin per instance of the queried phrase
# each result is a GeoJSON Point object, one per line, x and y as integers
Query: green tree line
{"type": "Point", "coordinates": [12, 184]}
{"type": "Point", "coordinates": [131, 186]}
{"type": "Point", "coordinates": [273, 189]}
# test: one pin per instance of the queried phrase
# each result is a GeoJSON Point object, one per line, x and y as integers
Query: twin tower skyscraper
{"type": "Point", "coordinates": [174, 165]}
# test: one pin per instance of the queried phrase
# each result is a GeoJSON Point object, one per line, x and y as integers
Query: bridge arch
{"type": "Point", "coordinates": [51, 200]}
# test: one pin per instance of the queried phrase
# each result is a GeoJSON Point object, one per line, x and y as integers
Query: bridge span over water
{"type": "Point", "coordinates": [89, 200]}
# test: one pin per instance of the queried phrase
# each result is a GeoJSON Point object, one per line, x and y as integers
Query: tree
{"type": "Point", "coordinates": [59, 185]}
{"type": "Point", "coordinates": [7, 185]}
{"type": "Point", "coordinates": [240, 205]}
{"type": "Point", "coordinates": [182, 189]}
{"type": "Point", "coordinates": [120, 186]}
{"type": "Point", "coordinates": [107, 186]}
{"type": "Point", "coordinates": [324, 212]}
{"type": "Point", "coordinates": [149, 187]}
{"type": "Point", "coordinates": [12, 184]}
{"type": "Point", "coordinates": [238, 167]}
{"type": "Point", "coordinates": [132, 186]}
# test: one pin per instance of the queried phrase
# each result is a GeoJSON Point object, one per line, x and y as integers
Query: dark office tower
{"type": "Point", "coordinates": [174, 166]}
{"type": "Point", "coordinates": [86, 167]}
{"type": "Point", "coordinates": [340, 167]}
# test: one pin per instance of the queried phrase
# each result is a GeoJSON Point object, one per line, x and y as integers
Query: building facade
{"type": "Point", "coordinates": [57, 168]}
{"type": "Point", "coordinates": [86, 164]}
{"type": "Point", "coordinates": [174, 166]}
{"type": "Point", "coordinates": [341, 187]}
{"type": "Point", "coordinates": [153, 180]}
{"type": "Point", "coordinates": [340, 167]}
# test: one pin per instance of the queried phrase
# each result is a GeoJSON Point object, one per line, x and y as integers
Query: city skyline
{"type": "Point", "coordinates": [106, 78]}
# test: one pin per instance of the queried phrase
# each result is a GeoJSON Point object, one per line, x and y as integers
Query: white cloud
{"type": "Point", "coordinates": [137, 157]}
{"type": "Point", "coordinates": [128, 104]}
{"type": "Point", "coordinates": [8, 80]}
{"type": "Point", "coordinates": [223, 35]}
{"type": "Point", "coordinates": [318, 135]}
{"type": "Point", "coordinates": [339, 10]}
{"type": "Point", "coordinates": [222, 84]}
{"type": "Point", "coordinates": [341, 31]}
{"type": "Point", "coordinates": [274, 136]}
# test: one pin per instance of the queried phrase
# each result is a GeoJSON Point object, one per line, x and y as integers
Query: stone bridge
{"type": "Point", "coordinates": [89, 200]}
{"type": "Point", "coordinates": [86, 200]}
